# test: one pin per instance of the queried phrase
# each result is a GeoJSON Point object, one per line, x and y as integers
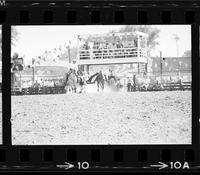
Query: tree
{"type": "Point", "coordinates": [187, 53]}
{"type": "Point", "coordinates": [14, 35]}
{"type": "Point", "coordinates": [153, 33]}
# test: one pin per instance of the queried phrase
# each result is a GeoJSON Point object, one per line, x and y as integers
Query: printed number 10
{"type": "Point", "coordinates": [83, 165]}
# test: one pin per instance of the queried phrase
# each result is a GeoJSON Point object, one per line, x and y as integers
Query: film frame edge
{"type": "Point", "coordinates": [84, 151]}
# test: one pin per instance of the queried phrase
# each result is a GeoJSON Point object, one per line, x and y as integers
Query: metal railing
{"type": "Point", "coordinates": [38, 90]}
{"type": "Point", "coordinates": [112, 53]}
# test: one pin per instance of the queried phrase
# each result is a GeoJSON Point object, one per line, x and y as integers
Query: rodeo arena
{"type": "Point", "coordinates": [111, 92]}
{"type": "Point", "coordinates": [120, 66]}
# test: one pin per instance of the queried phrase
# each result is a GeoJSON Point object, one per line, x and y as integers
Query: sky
{"type": "Point", "coordinates": [34, 40]}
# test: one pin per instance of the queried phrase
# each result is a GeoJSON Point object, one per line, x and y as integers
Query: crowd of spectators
{"type": "Point", "coordinates": [108, 45]}
{"type": "Point", "coordinates": [43, 83]}
{"type": "Point", "coordinates": [117, 49]}
{"type": "Point", "coordinates": [155, 83]}
{"type": "Point", "coordinates": [139, 82]}
{"type": "Point", "coordinates": [125, 83]}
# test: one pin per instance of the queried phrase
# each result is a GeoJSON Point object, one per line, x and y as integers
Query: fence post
{"type": "Point", "coordinates": [161, 67]}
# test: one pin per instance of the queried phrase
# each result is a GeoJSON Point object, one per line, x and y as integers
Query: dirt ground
{"type": "Point", "coordinates": [102, 118]}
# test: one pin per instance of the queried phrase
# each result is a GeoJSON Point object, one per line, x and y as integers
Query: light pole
{"type": "Point", "coordinates": [33, 69]}
{"type": "Point", "coordinates": [78, 49]}
{"type": "Point", "coordinates": [69, 52]}
{"type": "Point", "coordinates": [176, 38]}
{"type": "Point", "coordinates": [179, 70]}
{"type": "Point", "coordinates": [161, 59]}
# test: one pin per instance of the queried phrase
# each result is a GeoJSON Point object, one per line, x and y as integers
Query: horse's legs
{"type": "Point", "coordinates": [67, 89]}
{"type": "Point", "coordinates": [84, 88]}
{"type": "Point", "coordinates": [73, 88]}
{"type": "Point", "coordinates": [80, 88]}
{"type": "Point", "coordinates": [102, 85]}
{"type": "Point", "coordinates": [70, 89]}
{"type": "Point", "coordinates": [98, 86]}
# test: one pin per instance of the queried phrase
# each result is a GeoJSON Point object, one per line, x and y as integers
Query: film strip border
{"type": "Point", "coordinates": [103, 158]}
{"type": "Point", "coordinates": [96, 15]}
{"type": "Point", "coordinates": [92, 158]}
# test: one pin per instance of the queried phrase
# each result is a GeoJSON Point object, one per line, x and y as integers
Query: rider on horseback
{"type": "Point", "coordinates": [100, 81]}
{"type": "Point", "coordinates": [71, 80]}
{"type": "Point", "coordinates": [82, 82]}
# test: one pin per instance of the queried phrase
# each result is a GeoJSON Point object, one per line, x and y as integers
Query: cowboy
{"type": "Point", "coordinates": [100, 80]}
{"type": "Point", "coordinates": [134, 83]}
{"type": "Point", "coordinates": [129, 84]}
{"type": "Point", "coordinates": [83, 83]}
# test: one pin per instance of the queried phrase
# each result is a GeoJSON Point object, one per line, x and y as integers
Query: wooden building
{"type": "Point", "coordinates": [132, 50]}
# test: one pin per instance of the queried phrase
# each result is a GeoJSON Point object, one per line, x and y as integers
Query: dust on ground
{"type": "Point", "coordinates": [102, 118]}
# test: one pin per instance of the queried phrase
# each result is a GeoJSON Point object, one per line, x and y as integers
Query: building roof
{"type": "Point", "coordinates": [111, 36]}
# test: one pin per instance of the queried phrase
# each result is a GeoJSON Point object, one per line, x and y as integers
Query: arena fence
{"type": "Point", "coordinates": [38, 91]}
{"type": "Point", "coordinates": [138, 87]}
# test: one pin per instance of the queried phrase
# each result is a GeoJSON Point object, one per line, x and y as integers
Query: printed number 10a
{"type": "Point", "coordinates": [179, 165]}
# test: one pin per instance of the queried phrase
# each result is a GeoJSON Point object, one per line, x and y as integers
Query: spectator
{"type": "Point", "coordinates": [129, 84]}
{"type": "Point", "coordinates": [134, 83]}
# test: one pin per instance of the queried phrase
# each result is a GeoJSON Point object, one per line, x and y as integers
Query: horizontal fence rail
{"type": "Point", "coordinates": [112, 53]}
{"type": "Point", "coordinates": [134, 87]}
{"type": "Point", "coordinates": [38, 91]}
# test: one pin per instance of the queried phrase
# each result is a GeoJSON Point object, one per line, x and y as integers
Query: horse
{"type": "Point", "coordinates": [71, 81]}
{"type": "Point", "coordinates": [100, 81]}
{"type": "Point", "coordinates": [81, 83]}
{"type": "Point", "coordinates": [99, 78]}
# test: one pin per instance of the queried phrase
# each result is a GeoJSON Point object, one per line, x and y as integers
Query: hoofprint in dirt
{"type": "Point", "coordinates": [102, 118]}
